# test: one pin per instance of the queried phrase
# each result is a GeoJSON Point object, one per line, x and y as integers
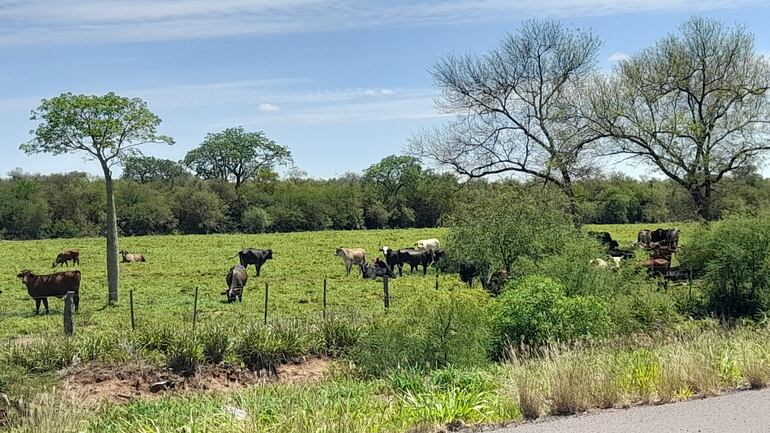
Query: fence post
{"type": "Point", "coordinates": [436, 281]}
{"type": "Point", "coordinates": [195, 311]}
{"type": "Point", "coordinates": [324, 299]}
{"type": "Point", "coordinates": [69, 306]}
{"type": "Point", "coordinates": [131, 304]}
{"type": "Point", "coordinates": [267, 291]}
{"type": "Point", "coordinates": [385, 289]}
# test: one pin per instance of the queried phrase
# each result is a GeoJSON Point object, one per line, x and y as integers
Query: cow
{"type": "Point", "coordinates": [351, 256]}
{"type": "Point", "coordinates": [376, 269]}
{"type": "Point", "coordinates": [132, 257]}
{"type": "Point", "coordinates": [439, 256]}
{"type": "Point", "coordinates": [236, 280]}
{"type": "Point", "coordinates": [415, 259]}
{"type": "Point", "coordinates": [64, 257]}
{"type": "Point", "coordinates": [40, 287]}
{"type": "Point", "coordinates": [644, 238]}
{"type": "Point", "coordinates": [468, 270]}
{"type": "Point", "coordinates": [622, 253]}
{"type": "Point", "coordinates": [605, 238]}
{"type": "Point", "coordinates": [391, 257]}
{"type": "Point", "coordinates": [495, 282]}
{"type": "Point", "coordinates": [253, 256]}
{"type": "Point", "coordinates": [427, 244]}
{"type": "Point", "coordinates": [656, 267]}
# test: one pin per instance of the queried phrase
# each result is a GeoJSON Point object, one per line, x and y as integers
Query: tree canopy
{"type": "Point", "coordinates": [236, 155]}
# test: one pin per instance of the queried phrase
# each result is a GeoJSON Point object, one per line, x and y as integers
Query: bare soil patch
{"type": "Point", "coordinates": [96, 382]}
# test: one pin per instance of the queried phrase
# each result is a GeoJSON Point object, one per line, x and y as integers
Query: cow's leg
{"type": "Point", "coordinates": [76, 298]}
{"type": "Point", "coordinates": [45, 304]}
{"type": "Point", "coordinates": [37, 306]}
{"type": "Point", "coordinates": [259, 269]}
{"type": "Point", "coordinates": [400, 270]}
{"type": "Point", "coordinates": [348, 265]}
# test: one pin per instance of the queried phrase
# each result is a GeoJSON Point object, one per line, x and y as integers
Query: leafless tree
{"type": "Point", "coordinates": [693, 106]}
{"type": "Point", "coordinates": [519, 108]}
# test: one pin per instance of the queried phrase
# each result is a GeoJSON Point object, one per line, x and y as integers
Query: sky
{"type": "Point", "coordinates": [342, 83]}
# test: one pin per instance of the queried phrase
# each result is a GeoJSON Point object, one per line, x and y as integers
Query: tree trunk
{"type": "Point", "coordinates": [701, 197]}
{"type": "Point", "coordinates": [112, 240]}
{"type": "Point", "coordinates": [566, 187]}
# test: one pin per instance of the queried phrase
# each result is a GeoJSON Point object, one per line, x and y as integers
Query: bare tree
{"type": "Point", "coordinates": [693, 106]}
{"type": "Point", "coordinates": [518, 108]}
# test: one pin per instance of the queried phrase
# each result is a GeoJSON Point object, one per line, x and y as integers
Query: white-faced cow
{"type": "Point", "coordinates": [351, 256]}
{"type": "Point", "coordinates": [41, 287]}
{"type": "Point", "coordinates": [64, 257]}
{"type": "Point", "coordinates": [236, 279]}
{"type": "Point", "coordinates": [253, 256]}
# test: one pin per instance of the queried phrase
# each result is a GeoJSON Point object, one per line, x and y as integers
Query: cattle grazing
{"type": "Point", "coordinates": [495, 282]}
{"type": "Point", "coordinates": [439, 256]}
{"type": "Point", "coordinates": [132, 257]}
{"type": "Point", "coordinates": [605, 239]}
{"type": "Point", "coordinates": [427, 244]}
{"type": "Point", "coordinates": [64, 257]}
{"type": "Point", "coordinates": [236, 280]}
{"type": "Point", "coordinates": [40, 287]}
{"type": "Point", "coordinates": [376, 269]}
{"type": "Point", "coordinates": [656, 267]}
{"type": "Point", "coordinates": [415, 259]}
{"type": "Point", "coordinates": [252, 256]}
{"type": "Point", "coordinates": [351, 256]}
{"type": "Point", "coordinates": [665, 237]}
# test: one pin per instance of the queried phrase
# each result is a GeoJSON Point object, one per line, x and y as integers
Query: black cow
{"type": "Point", "coordinates": [605, 238]}
{"type": "Point", "coordinates": [415, 259]}
{"type": "Point", "coordinates": [468, 271]}
{"type": "Point", "coordinates": [252, 256]}
{"type": "Point", "coordinates": [376, 269]}
{"type": "Point", "coordinates": [391, 257]}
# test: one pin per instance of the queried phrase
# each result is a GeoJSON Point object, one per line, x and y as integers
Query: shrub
{"type": "Point", "coordinates": [339, 336]}
{"type": "Point", "coordinates": [449, 328]}
{"type": "Point", "coordinates": [735, 254]}
{"type": "Point", "coordinates": [40, 356]}
{"type": "Point", "coordinates": [184, 356]}
{"type": "Point", "coordinates": [256, 220]}
{"type": "Point", "coordinates": [215, 343]}
{"type": "Point", "coordinates": [536, 311]}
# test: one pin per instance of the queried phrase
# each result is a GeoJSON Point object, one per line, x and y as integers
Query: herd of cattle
{"type": "Point", "coordinates": [661, 245]}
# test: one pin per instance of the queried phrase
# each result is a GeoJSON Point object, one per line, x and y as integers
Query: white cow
{"type": "Point", "coordinates": [428, 244]}
{"type": "Point", "coordinates": [352, 256]}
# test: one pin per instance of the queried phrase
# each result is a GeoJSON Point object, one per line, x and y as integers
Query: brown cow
{"type": "Point", "coordinates": [351, 256]}
{"type": "Point", "coordinates": [131, 258]}
{"type": "Point", "coordinates": [40, 287]}
{"type": "Point", "coordinates": [64, 258]}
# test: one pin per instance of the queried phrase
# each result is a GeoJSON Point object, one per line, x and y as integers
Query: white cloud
{"type": "Point", "coordinates": [618, 56]}
{"type": "Point", "coordinates": [268, 108]}
{"type": "Point", "coordinates": [74, 21]}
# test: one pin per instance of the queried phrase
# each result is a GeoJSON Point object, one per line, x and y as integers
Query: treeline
{"type": "Point", "coordinates": [394, 193]}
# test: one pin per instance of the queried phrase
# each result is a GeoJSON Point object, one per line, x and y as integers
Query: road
{"type": "Point", "coordinates": [747, 411]}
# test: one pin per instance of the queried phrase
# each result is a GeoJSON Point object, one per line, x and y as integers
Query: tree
{"type": "Point", "coordinates": [392, 177]}
{"type": "Point", "coordinates": [105, 128]}
{"type": "Point", "coordinates": [236, 155]}
{"type": "Point", "coordinates": [146, 169]}
{"type": "Point", "coordinates": [694, 106]}
{"type": "Point", "coordinates": [519, 108]}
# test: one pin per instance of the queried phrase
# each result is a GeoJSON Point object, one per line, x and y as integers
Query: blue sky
{"type": "Point", "coordinates": [343, 83]}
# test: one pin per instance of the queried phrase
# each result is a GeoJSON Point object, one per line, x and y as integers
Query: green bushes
{"type": "Point", "coordinates": [535, 311]}
{"type": "Point", "coordinates": [448, 328]}
{"type": "Point", "coordinates": [735, 256]}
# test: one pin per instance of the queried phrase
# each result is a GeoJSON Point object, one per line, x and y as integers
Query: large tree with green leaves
{"type": "Point", "coordinates": [236, 155]}
{"type": "Point", "coordinates": [144, 169]}
{"type": "Point", "coordinates": [693, 106]}
{"type": "Point", "coordinates": [519, 109]}
{"type": "Point", "coordinates": [102, 128]}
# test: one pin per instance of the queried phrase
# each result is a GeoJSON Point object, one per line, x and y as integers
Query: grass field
{"type": "Point", "coordinates": [164, 289]}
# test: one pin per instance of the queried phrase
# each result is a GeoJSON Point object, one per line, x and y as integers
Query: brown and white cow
{"type": "Point", "coordinates": [64, 257]}
{"type": "Point", "coordinates": [132, 257]}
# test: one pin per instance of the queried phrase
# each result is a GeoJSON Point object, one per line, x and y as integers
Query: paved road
{"type": "Point", "coordinates": [747, 411]}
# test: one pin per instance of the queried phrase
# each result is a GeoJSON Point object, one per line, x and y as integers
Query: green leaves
{"type": "Point", "coordinates": [237, 155]}
{"type": "Point", "coordinates": [105, 127]}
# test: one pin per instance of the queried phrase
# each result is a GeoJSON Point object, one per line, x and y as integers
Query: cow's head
{"type": "Point", "coordinates": [338, 251]}
{"type": "Point", "coordinates": [25, 275]}
{"type": "Point", "coordinates": [385, 250]}
{"type": "Point", "coordinates": [269, 254]}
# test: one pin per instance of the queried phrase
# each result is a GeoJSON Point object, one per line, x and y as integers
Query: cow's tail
{"type": "Point", "coordinates": [236, 255]}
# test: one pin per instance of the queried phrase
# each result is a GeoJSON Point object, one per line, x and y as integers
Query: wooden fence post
{"type": "Point", "coordinates": [267, 291]}
{"type": "Point", "coordinates": [195, 311]}
{"type": "Point", "coordinates": [69, 306]}
{"type": "Point", "coordinates": [385, 289]}
{"type": "Point", "coordinates": [131, 304]}
{"type": "Point", "coordinates": [324, 299]}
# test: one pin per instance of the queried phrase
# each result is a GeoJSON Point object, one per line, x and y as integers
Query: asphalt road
{"type": "Point", "coordinates": [746, 411]}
